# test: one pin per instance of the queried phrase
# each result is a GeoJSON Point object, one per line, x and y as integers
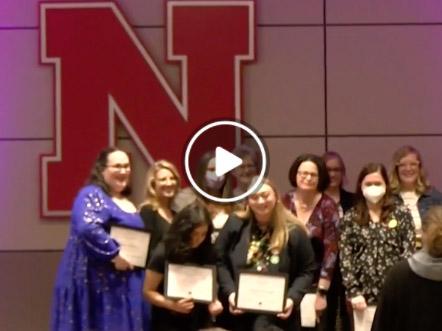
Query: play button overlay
{"type": "Point", "coordinates": [225, 161]}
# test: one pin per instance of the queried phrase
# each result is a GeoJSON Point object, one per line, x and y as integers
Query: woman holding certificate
{"type": "Point", "coordinates": [96, 288]}
{"type": "Point", "coordinates": [319, 213]}
{"type": "Point", "coordinates": [182, 263]}
{"type": "Point", "coordinates": [375, 234]}
{"type": "Point", "coordinates": [162, 183]}
{"type": "Point", "coordinates": [264, 244]}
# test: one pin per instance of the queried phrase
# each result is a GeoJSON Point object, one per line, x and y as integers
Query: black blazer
{"type": "Point", "coordinates": [348, 199]}
{"type": "Point", "coordinates": [296, 259]}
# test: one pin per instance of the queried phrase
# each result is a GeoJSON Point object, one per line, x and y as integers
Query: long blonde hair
{"type": "Point", "coordinates": [150, 193]}
{"type": "Point", "coordinates": [422, 183]}
{"type": "Point", "coordinates": [282, 220]}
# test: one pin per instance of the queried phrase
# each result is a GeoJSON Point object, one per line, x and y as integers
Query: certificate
{"type": "Point", "coordinates": [363, 319]}
{"type": "Point", "coordinates": [134, 244]}
{"type": "Point", "coordinates": [261, 292]}
{"type": "Point", "coordinates": [190, 281]}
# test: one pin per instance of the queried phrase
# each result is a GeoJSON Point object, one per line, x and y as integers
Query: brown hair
{"type": "Point", "coordinates": [432, 228]}
{"type": "Point", "coordinates": [282, 220]}
{"type": "Point", "coordinates": [151, 195]}
{"type": "Point", "coordinates": [422, 182]}
{"type": "Point", "coordinates": [363, 217]}
{"type": "Point", "coordinates": [332, 155]}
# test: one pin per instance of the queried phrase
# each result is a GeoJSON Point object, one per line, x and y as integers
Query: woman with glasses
{"type": "Point", "coordinates": [411, 187]}
{"type": "Point", "coordinates": [318, 212]}
{"type": "Point", "coordinates": [162, 183]}
{"type": "Point", "coordinates": [265, 237]}
{"type": "Point", "coordinates": [96, 288]}
{"type": "Point", "coordinates": [344, 200]}
{"type": "Point", "coordinates": [374, 235]}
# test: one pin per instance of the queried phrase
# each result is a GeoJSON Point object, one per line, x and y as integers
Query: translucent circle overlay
{"type": "Point", "coordinates": [256, 183]}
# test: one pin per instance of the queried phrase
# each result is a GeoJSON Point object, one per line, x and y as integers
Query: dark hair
{"type": "Point", "coordinates": [323, 177]}
{"type": "Point", "coordinates": [224, 191]}
{"type": "Point", "coordinates": [177, 239]}
{"type": "Point", "coordinates": [242, 151]}
{"type": "Point", "coordinates": [96, 176]}
{"type": "Point", "coordinates": [388, 204]}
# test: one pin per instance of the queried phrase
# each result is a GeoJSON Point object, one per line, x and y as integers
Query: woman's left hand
{"type": "Point", "coordinates": [320, 304]}
{"type": "Point", "coordinates": [287, 310]}
{"type": "Point", "coordinates": [215, 308]}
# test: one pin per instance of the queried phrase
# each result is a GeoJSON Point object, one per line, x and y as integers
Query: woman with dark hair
{"type": "Point", "coordinates": [336, 301]}
{"type": "Point", "coordinates": [265, 237]}
{"type": "Point", "coordinates": [411, 187]}
{"type": "Point", "coordinates": [318, 212]}
{"type": "Point", "coordinates": [188, 241]}
{"type": "Point", "coordinates": [375, 234]}
{"type": "Point", "coordinates": [96, 288]}
{"type": "Point", "coordinates": [410, 299]}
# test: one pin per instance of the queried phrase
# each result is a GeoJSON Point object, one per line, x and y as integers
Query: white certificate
{"type": "Point", "coordinates": [363, 319]}
{"type": "Point", "coordinates": [308, 312]}
{"type": "Point", "coordinates": [190, 281]}
{"type": "Point", "coordinates": [134, 244]}
{"type": "Point", "coordinates": [261, 292]}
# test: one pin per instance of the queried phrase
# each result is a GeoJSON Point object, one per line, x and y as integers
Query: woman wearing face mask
{"type": "Point", "coordinates": [162, 183]}
{"type": "Point", "coordinates": [375, 234]}
{"type": "Point", "coordinates": [410, 186]}
{"type": "Point", "coordinates": [188, 241]}
{"type": "Point", "coordinates": [410, 299]}
{"type": "Point", "coordinates": [265, 238]}
{"type": "Point", "coordinates": [308, 174]}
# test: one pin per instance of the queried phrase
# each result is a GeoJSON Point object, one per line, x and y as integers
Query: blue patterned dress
{"type": "Point", "coordinates": [90, 294]}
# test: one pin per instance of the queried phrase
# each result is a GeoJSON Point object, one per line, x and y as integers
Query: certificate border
{"type": "Point", "coordinates": [116, 225]}
{"type": "Point", "coordinates": [210, 267]}
{"type": "Point", "coordinates": [271, 274]}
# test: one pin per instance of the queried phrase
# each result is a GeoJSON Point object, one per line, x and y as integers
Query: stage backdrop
{"type": "Point", "coordinates": [358, 77]}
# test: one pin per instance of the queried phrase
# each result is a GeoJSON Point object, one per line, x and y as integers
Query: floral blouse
{"type": "Point", "coordinates": [323, 232]}
{"type": "Point", "coordinates": [368, 251]}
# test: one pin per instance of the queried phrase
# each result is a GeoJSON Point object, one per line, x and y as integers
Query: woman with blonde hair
{"type": "Point", "coordinates": [410, 186]}
{"type": "Point", "coordinates": [410, 299]}
{"type": "Point", "coordinates": [162, 183]}
{"type": "Point", "coordinates": [265, 237]}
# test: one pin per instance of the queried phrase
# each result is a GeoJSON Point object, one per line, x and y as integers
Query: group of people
{"type": "Point", "coordinates": [350, 251]}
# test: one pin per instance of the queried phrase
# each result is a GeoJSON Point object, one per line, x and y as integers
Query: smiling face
{"type": "Point", "coordinates": [116, 174]}
{"type": "Point", "coordinates": [408, 170]}
{"type": "Point", "coordinates": [307, 176]}
{"type": "Point", "coordinates": [165, 183]}
{"type": "Point", "coordinates": [262, 202]}
{"type": "Point", "coordinates": [245, 172]}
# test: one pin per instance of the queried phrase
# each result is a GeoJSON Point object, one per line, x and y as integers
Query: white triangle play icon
{"type": "Point", "coordinates": [225, 161]}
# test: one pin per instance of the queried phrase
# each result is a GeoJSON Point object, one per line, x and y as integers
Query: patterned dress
{"type": "Point", "coordinates": [367, 252]}
{"type": "Point", "coordinates": [90, 294]}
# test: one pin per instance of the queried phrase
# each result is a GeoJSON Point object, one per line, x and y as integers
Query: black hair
{"type": "Point", "coordinates": [323, 177]}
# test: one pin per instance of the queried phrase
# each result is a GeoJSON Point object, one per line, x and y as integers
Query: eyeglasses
{"type": "Point", "coordinates": [337, 169]}
{"type": "Point", "coordinates": [412, 165]}
{"type": "Point", "coordinates": [305, 174]}
{"type": "Point", "coordinates": [119, 166]}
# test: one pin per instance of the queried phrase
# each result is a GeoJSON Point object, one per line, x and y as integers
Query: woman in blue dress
{"type": "Point", "coordinates": [97, 289]}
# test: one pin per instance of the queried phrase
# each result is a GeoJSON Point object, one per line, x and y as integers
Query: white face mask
{"type": "Point", "coordinates": [213, 181]}
{"type": "Point", "coordinates": [374, 193]}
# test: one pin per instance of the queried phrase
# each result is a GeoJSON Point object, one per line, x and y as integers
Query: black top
{"type": "Point", "coordinates": [296, 259]}
{"type": "Point", "coordinates": [156, 225]}
{"type": "Point", "coordinates": [164, 319]}
{"type": "Point", "coordinates": [347, 199]}
{"type": "Point", "coordinates": [408, 302]}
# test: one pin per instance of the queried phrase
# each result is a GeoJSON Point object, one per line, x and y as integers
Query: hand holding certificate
{"type": "Point", "coordinates": [190, 281]}
{"type": "Point", "coordinates": [134, 244]}
{"type": "Point", "coordinates": [261, 292]}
